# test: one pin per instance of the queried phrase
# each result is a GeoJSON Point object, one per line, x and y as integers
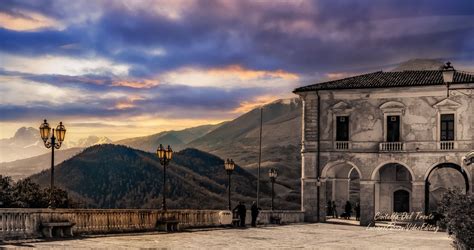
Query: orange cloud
{"type": "Point", "coordinates": [144, 84]}
{"type": "Point", "coordinates": [27, 21]}
{"type": "Point", "coordinates": [259, 101]}
{"type": "Point", "coordinates": [246, 74]}
{"type": "Point", "coordinates": [337, 75]}
{"type": "Point", "coordinates": [128, 103]}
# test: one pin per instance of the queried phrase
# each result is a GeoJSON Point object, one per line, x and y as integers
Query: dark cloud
{"type": "Point", "coordinates": [24, 113]}
{"type": "Point", "coordinates": [295, 36]}
{"type": "Point", "coordinates": [307, 37]}
{"type": "Point", "coordinates": [163, 100]}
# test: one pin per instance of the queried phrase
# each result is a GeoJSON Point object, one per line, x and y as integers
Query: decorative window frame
{"type": "Point", "coordinates": [446, 106]}
{"type": "Point", "coordinates": [340, 109]}
{"type": "Point", "coordinates": [392, 108]}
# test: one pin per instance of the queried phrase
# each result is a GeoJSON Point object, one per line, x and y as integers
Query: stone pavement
{"type": "Point", "coordinates": [327, 236]}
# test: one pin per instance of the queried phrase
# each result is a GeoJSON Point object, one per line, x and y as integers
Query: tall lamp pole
{"type": "Point", "coordinates": [45, 132]}
{"type": "Point", "coordinates": [165, 155]}
{"type": "Point", "coordinates": [272, 173]}
{"type": "Point", "coordinates": [229, 167]}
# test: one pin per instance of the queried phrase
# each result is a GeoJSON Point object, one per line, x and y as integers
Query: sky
{"type": "Point", "coordinates": [133, 68]}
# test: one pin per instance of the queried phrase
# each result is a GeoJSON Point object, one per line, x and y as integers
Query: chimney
{"type": "Point", "coordinates": [448, 73]}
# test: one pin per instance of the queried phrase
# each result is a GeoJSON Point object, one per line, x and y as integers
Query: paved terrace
{"type": "Point", "coordinates": [291, 236]}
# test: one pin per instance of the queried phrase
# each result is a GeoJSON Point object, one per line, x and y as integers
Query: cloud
{"type": "Point", "coordinates": [62, 65]}
{"type": "Point", "coordinates": [256, 102]}
{"type": "Point", "coordinates": [27, 21]}
{"type": "Point", "coordinates": [95, 96]}
{"type": "Point", "coordinates": [293, 36]}
{"type": "Point", "coordinates": [205, 60]}
{"type": "Point", "coordinates": [230, 76]}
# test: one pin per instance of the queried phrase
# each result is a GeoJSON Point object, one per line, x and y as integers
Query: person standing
{"type": "Point", "coordinates": [242, 212]}
{"type": "Point", "coordinates": [329, 208]}
{"type": "Point", "coordinates": [254, 211]}
{"type": "Point", "coordinates": [348, 210]}
{"type": "Point", "coordinates": [357, 210]}
{"type": "Point", "coordinates": [334, 209]}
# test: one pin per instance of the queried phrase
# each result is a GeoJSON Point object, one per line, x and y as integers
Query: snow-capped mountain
{"type": "Point", "coordinates": [90, 141]}
{"type": "Point", "coordinates": [25, 143]}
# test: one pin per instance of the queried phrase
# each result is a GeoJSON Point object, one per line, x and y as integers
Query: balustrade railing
{"type": "Point", "coordinates": [391, 146]}
{"type": "Point", "coordinates": [26, 223]}
{"type": "Point", "coordinates": [342, 145]}
{"type": "Point", "coordinates": [446, 145]}
{"type": "Point", "coordinates": [17, 224]}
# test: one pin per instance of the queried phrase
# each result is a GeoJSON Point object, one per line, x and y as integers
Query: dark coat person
{"type": "Point", "coordinates": [357, 210]}
{"type": "Point", "coordinates": [348, 210]}
{"type": "Point", "coordinates": [334, 209]}
{"type": "Point", "coordinates": [242, 212]}
{"type": "Point", "coordinates": [254, 211]}
{"type": "Point", "coordinates": [329, 208]}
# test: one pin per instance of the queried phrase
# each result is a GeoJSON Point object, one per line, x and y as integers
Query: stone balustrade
{"type": "Point", "coordinates": [17, 224]}
{"type": "Point", "coordinates": [25, 223]}
{"type": "Point", "coordinates": [391, 146]}
{"type": "Point", "coordinates": [406, 146]}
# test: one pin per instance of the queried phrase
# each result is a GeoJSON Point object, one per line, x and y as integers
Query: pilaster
{"type": "Point", "coordinates": [367, 206]}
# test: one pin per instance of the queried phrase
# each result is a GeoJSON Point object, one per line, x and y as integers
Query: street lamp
{"type": "Point", "coordinates": [448, 75]}
{"type": "Point", "coordinates": [165, 155]}
{"type": "Point", "coordinates": [272, 173]}
{"type": "Point", "coordinates": [229, 166]}
{"type": "Point", "coordinates": [59, 134]}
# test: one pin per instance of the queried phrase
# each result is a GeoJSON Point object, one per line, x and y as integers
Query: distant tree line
{"type": "Point", "coordinates": [27, 194]}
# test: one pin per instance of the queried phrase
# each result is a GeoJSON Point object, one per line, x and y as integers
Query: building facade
{"type": "Point", "coordinates": [378, 138]}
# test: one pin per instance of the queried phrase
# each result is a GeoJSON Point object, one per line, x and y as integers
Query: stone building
{"type": "Point", "coordinates": [378, 138]}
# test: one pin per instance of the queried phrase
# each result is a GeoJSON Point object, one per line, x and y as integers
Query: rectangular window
{"type": "Point", "coordinates": [393, 128]}
{"type": "Point", "coordinates": [447, 127]}
{"type": "Point", "coordinates": [342, 128]}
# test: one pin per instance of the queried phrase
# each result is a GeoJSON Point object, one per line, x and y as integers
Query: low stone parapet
{"type": "Point", "coordinates": [22, 223]}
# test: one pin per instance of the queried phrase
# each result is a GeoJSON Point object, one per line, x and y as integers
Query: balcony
{"type": "Point", "coordinates": [342, 145]}
{"type": "Point", "coordinates": [391, 146]}
{"type": "Point", "coordinates": [446, 145]}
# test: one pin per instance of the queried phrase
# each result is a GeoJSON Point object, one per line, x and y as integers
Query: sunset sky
{"type": "Point", "coordinates": [131, 68]}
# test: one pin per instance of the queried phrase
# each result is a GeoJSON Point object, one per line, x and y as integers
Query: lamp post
{"type": "Point", "coordinates": [59, 134]}
{"type": "Point", "coordinates": [165, 155]}
{"type": "Point", "coordinates": [272, 173]}
{"type": "Point", "coordinates": [229, 166]}
{"type": "Point", "coordinates": [448, 75]}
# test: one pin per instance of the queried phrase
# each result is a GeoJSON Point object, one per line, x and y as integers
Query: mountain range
{"type": "Point", "coordinates": [25, 143]}
{"type": "Point", "coordinates": [178, 139]}
{"type": "Point", "coordinates": [90, 141]}
{"type": "Point", "coordinates": [237, 139]}
{"type": "Point", "coordinates": [23, 168]}
{"type": "Point", "coordinates": [114, 176]}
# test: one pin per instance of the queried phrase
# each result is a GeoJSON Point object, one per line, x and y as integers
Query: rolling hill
{"type": "Point", "coordinates": [28, 154]}
{"type": "Point", "coordinates": [239, 139]}
{"type": "Point", "coordinates": [178, 139]}
{"type": "Point", "coordinates": [114, 176]}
